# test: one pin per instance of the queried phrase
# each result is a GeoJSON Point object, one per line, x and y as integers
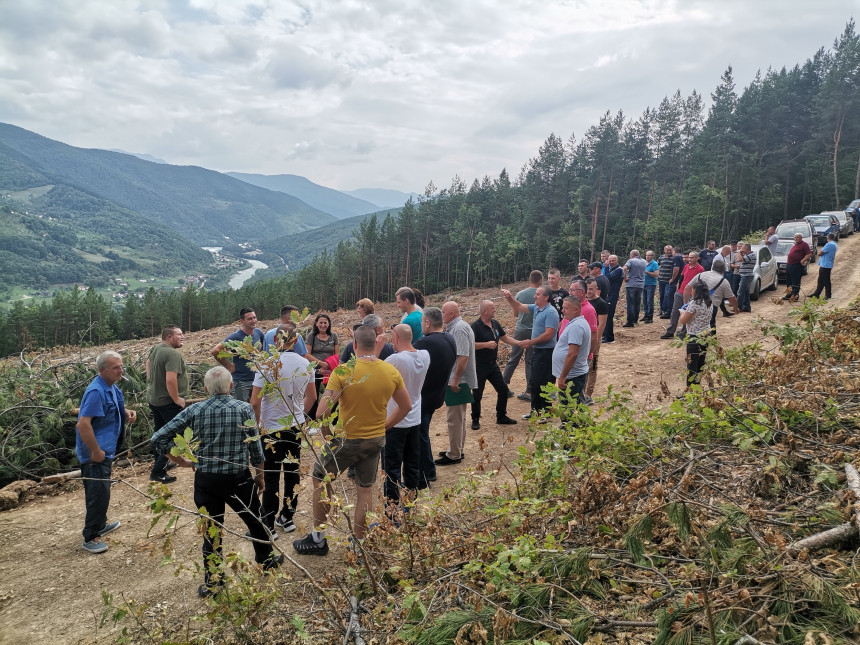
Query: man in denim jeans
{"type": "Point", "coordinates": [100, 422]}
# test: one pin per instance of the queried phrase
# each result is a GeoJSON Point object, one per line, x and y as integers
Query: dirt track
{"type": "Point", "coordinates": [50, 590]}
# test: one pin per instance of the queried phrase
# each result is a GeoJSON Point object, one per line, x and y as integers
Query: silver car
{"type": "Point", "coordinates": [765, 275]}
{"type": "Point", "coordinates": [846, 223]}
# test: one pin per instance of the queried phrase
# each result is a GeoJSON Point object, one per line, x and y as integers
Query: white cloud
{"type": "Point", "coordinates": [383, 93]}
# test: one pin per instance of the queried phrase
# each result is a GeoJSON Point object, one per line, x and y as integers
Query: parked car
{"type": "Point", "coordinates": [824, 225]}
{"type": "Point", "coordinates": [780, 258]}
{"type": "Point", "coordinates": [787, 229]}
{"type": "Point", "coordinates": [846, 223]}
{"type": "Point", "coordinates": [851, 211]}
{"type": "Point", "coordinates": [765, 272]}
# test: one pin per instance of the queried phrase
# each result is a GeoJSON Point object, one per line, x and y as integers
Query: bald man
{"type": "Point", "coordinates": [488, 332]}
{"type": "Point", "coordinates": [464, 376]}
{"type": "Point", "coordinates": [402, 447]}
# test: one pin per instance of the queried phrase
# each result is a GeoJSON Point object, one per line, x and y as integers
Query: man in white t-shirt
{"type": "Point", "coordinates": [293, 394]}
{"type": "Point", "coordinates": [402, 448]}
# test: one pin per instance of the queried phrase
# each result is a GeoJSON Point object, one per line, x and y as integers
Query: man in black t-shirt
{"type": "Point", "coordinates": [602, 311]}
{"type": "Point", "coordinates": [557, 294]}
{"type": "Point", "coordinates": [488, 333]}
{"type": "Point", "coordinates": [596, 269]}
{"type": "Point", "coordinates": [443, 355]}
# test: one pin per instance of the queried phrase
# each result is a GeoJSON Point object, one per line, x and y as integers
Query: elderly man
{"type": "Point", "coordinates": [570, 355]}
{"type": "Point", "coordinates": [488, 332]}
{"type": "Point", "coordinates": [825, 265]}
{"type": "Point", "coordinates": [544, 327]}
{"type": "Point", "coordinates": [443, 354]}
{"type": "Point", "coordinates": [402, 442]}
{"type": "Point", "coordinates": [798, 257]}
{"type": "Point", "coordinates": [375, 323]}
{"type": "Point", "coordinates": [464, 377]}
{"type": "Point", "coordinates": [664, 277]}
{"type": "Point", "coordinates": [615, 274]}
{"type": "Point", "coordinates": [363, 394]}
{"type": "Point", "coordinates": [652, 271]}
{"type": "Point", "coordinates": [97, 439]}
{"type": "Point", "coordinates": [691, 270]}
{"type": "Point", "coordinates": [634, 278]}
{"type": "Point", "coordinates": [166, 389]}
{"type": "Point", "coordinates": [243, 377]}
{"type": "Point", "coordinates": [222, 475]}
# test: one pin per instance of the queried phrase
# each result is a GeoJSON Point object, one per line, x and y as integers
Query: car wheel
{"type": "Point", "coordinates": [757, 291]}
{"type": "Point", "coordinates": [775, 283]}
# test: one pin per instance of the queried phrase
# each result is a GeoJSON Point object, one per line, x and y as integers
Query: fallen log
{"type": "Point", "coordinates": [838, 534]}
{"type": "Point", "coordinates": [61, 477]}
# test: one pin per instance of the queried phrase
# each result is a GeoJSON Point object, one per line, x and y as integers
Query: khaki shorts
{"type": "Point", "coordinates": [341, 453]}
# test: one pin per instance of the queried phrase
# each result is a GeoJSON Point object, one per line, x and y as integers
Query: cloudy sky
{"type": "Point", "coordinates": [382, 93]}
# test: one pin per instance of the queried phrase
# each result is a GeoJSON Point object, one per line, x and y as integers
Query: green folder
{"type": "Point", "coordinates": [459, 398]}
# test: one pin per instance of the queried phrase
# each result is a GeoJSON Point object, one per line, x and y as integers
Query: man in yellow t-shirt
{"type": "Point", "coordinates": [362, 395]}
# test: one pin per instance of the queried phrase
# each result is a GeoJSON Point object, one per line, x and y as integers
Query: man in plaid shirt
{"type": "Point", "coordinates": [222, 475]}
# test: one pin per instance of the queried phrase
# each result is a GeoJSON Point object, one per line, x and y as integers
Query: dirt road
{"type": "Point", "coordinates": [51, 590]}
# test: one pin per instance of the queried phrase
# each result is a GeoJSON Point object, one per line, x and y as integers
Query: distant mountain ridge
{"type": "Point", "coordinates": [202, 205]}
{"type": "Point", "coordinates": [334, 202]}
{"type": "Point", "coordinates": [382, 197]}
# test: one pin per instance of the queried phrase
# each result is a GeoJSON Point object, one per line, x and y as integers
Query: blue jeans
{"type": "Point", "coordinates": [400, 455]}
{"type": "Point", "coordinates": [96, 495]}
{"type": "Point", "coordinates": [744, 292]}
{"type": "Point", "coordinates": [667, 298]}
{"type": "Point", "coordinates": [426, 465]}
{"type": "Point", "coordinates": [634, 304]}
{"type": "Point", "coordinates": [648, 304]}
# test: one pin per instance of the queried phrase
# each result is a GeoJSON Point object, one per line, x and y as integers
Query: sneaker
{"type": "Point", "coordinates": [607, 342]}
{"type": "Point", "coordinates": [94, 546]}
{"type": "Point", "coordinates": [113, 526]}
{"type": "Point", "coordinates": [511, 394]}
{"type": "Point", "coordinates": [308, 546]}
{"type": "Point", "coordinates": [164, 478]}
{"type": "Point", "coordinates": [273, 562]}
{"type": "Point", "coordinates": [667, 336]}
{"type": "Point", "coordinates": [524, 396]}
{"type": "Point", "coordinates": [506, 421]}
{"type": "Point", "coordinates": [476, 425]}
{"type": "Point", "coordinates": [286, 523]}
{"type": "Point", "coordinates": [585, 399]}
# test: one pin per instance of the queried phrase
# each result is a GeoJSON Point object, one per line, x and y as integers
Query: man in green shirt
{"type": "Point", "coordinates": [166, 390]}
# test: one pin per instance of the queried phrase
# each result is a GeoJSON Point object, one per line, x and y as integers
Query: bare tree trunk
{"type": "Point", "coordinates": [606, 218]}
{"type": "Point", "coordinates": [837, 135]}
{"type": "Point", "coordinates": [857, 179]}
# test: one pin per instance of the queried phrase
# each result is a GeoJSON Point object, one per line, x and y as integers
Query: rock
{"type": "Point", "coordinates": [8, 499]}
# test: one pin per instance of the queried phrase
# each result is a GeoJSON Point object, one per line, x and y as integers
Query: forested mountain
{"type": "Point", "coordinates": [785, 146]}
{"type": "Point", "coordinates": [385, 198]}
{"type": "Point", "coordinates": [329, 200]}
{"type": "Point", "coordinates": [199, 204]}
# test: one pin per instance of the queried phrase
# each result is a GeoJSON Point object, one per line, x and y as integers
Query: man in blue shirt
{"type": "Point", "coordinates": [544, 327]}
{"type": "Point", "coordinates": [826, 256]}
{"type": "Point", "coordinates": [286, 318]}
{"type": "Point", "coordinates": [243, 377]}
{"type": "Point", "coordinates": [652, 274]}
{"type": "Point", "coordinates": [99, 429]}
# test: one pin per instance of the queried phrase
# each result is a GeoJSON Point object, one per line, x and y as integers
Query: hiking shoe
{"type": "Point", "coordinates": [164, 478]}
{"type": "Point", "coordinates": [285, 523]}
{"type": "Point", "coordinates": [524, 396]}
{"type": "Point", "coordinates": [273, 562]}
{"type": "Point", "coordinates": [113, 526]}
{"type": "Point", "coordinates": [94, 546]}
{"type": "Point", "coordinates": [506, 421]}
{"type": "Point", "coordinates": [308, 546]}
{"type": "Point", "coordinates": [476, 425]}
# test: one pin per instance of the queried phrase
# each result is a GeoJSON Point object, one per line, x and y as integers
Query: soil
{"type": "Point", "coordinates": [51, 590]}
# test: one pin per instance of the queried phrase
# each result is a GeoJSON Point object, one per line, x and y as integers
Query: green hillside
{"type": "Point", "coordinates": [202, 205]}
{"type": "Point", "coordinates": [59, 235]}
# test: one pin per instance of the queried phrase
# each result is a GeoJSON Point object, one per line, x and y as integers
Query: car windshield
{"type": "Point", "coordinates": [790, 230]}
{"type": "Point", "coordinates": [783, 247]}
{"type": "Point", "coordinates": [819, 221]}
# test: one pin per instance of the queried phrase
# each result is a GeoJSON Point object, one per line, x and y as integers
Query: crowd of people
{"type": "Point", "coordinates": [374, 399]}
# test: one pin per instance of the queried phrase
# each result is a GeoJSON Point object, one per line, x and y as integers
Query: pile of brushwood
{"type": "Point", "coordinates": [39, 395]}
{"type": "Point", "coordinates": [727, 516]}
